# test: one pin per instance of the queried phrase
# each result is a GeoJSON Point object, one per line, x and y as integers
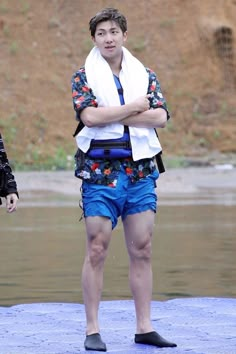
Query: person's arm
{"type": "Point", "coordinates": [99, 116]}
{"type": "Point", "coordinates": [87, 109]}
{"type": "Point", "coordinates": [152, 118]}
{"type": "Point", "coordinates": [158, 115]}
{"type": "Point", "coordinates": [10, 192]}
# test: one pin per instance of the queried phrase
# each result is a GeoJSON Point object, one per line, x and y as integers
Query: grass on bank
{"type": "Point", "coordinates": [62, 161]}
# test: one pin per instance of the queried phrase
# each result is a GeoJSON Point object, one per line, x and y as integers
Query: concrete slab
{"type": "Point", "coordinates": [197, 325]}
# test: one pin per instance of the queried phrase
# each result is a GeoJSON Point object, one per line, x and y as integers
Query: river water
{"type": "Point", "coordinates": [42, 249]}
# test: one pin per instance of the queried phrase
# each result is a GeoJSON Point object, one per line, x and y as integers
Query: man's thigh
{"type": "Point", "coordinates": [141, 196]}
{"type": "Point", "coordinates": [98, 226]}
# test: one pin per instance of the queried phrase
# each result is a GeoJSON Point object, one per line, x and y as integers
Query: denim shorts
{"type": "Point", "coordinates": [125, 199]}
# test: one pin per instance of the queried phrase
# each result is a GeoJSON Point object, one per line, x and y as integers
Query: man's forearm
{"type": "Point", "coordinates": [100, 116]}
{"type": "Point", "coordinates": [153, 118]}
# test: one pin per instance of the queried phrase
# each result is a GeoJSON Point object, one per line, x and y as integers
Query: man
{"type": "Point", "coordinates": [118, 103]}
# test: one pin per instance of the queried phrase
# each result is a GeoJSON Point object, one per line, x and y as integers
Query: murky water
{"type": "Point", "coordinates": [42, 250]}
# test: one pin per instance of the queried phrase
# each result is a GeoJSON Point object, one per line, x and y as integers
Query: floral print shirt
{"type": "Point", "coordinates": [104, 171]}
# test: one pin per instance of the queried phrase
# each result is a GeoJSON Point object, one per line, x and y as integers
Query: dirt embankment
{"type": "Point", "coordinates": [189, 43]}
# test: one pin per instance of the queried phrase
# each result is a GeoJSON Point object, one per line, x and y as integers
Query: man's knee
{"type": "Point", "coordinates": [142, 251]}
{"type": "Point", "coordinates": [97, 251]}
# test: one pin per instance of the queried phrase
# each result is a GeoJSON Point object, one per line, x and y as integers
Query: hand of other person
{"type": "Point", "coordinates": [11, 202]}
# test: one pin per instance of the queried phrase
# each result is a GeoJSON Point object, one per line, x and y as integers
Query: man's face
{"type": "Point", "coordinates": [109, 39]}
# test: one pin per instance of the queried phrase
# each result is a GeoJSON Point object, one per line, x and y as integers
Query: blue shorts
{"type": "Point", "coordinates": [124, 199]}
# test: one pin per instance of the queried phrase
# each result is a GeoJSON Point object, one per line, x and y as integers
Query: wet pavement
{"type": "Point", "coordinates": [197, 325]}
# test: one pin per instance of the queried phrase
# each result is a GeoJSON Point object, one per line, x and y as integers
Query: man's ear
{"type": "Point", "coordinates": [125, 34]}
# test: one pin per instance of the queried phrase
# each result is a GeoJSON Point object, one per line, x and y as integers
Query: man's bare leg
{"type": "Point", "coordinates": [138, 230]}
{"type": "Point", "coordinates": [98, 237]}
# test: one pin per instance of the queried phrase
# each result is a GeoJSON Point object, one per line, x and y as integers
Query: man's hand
{"type": "Point", "coordinates": [141, 104]}
{"type": "Point", "coordinates": [11, 202]}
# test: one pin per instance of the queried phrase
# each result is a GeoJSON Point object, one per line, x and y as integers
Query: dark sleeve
{"type": "Point", "coordinates": [82, 94]}
{"type": "Point", "coordinates": [157, 99]}
{"type": "Point", "coordinates": [11, 186]}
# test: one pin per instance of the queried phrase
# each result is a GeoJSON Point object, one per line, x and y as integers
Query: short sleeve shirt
{"type": "Point", "coordinates": [104, 171]}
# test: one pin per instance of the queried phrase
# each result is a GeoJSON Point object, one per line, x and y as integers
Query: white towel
{"type": "Point", "coordinates": [134, 80]}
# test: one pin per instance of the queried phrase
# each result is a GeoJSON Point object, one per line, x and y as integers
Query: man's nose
{"type": "Point", "coordinates": [109, 38]}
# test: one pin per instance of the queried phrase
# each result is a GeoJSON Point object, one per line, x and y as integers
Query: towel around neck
{"type": "Point", "coordinates": [134, 80]}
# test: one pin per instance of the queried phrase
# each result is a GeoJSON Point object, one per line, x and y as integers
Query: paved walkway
{"type": "Point", "coordinates": [197, 325]}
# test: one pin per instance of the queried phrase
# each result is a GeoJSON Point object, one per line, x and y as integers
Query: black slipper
{"type": "Point", "coordinates": [153, 338]}
{"type": "Point", "coordinates": [94, 342]}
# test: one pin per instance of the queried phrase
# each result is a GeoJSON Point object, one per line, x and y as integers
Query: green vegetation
{"type": "Point", "coordinates": [3, 7]}
{"type": "Point", "coordinates": [11, 130]}
{"type": "Point", "coordinates": [25, 7]}
{"type": "Point", "coordinates": [62, 159]}
{"type": "Point", "coordinates": [6, 30]}
{"type": "Point", "coordinates": [170, 126]}
{"type": "Point", "coordinates": [86, 45]}
{"type": "Point", "coordinates": [167, 23]}
{"type": "Point", "coordinates": [216, 134]}
{"type": "Point", "coordinates": [14, 47]}
{"type": "Point", "coordinates": [175, 162]}
{"type": "Point", "coordinates": [53, 22]}
{"type": "Point", "coordinates": [25, 76]}
{"type": "Point", "coordinates": [138, 44]}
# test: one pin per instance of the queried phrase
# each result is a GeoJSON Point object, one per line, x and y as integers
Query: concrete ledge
{"type": "Point", "coordinates": [197, 325]}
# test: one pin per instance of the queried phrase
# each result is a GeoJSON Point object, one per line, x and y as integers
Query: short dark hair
{"type": "Point", "coordinates": [108, 14]}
